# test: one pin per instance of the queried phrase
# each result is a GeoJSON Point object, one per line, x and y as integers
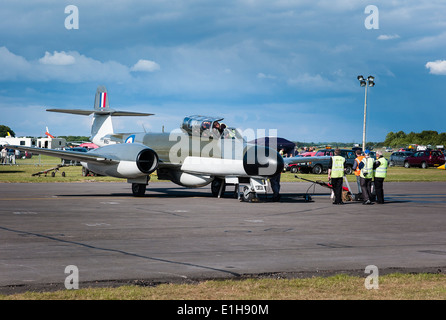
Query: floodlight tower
{"type": "Point", "coordinates": [369, 82]}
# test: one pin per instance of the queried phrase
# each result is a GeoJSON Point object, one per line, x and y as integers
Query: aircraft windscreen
{"type": "Point", "coordinates": [231, 133]}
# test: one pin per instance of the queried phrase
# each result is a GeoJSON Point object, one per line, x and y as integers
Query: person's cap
{"type": "Point", "coordinates": [367, 152]}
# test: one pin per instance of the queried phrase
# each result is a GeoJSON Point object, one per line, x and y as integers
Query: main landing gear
{"type": "Point", "coordinates": [251, 187]}
{"type": "Point", "coordinates": [138, 189]}
{"type": "Point", "coordinates": [139, 186]}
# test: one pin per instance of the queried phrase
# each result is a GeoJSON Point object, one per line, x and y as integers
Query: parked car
{"type": "Point", "coordinates": [425, 159]}
{"type": "Point", "coordinates": [397, 158]}
{"type": "Point", "coordinates": [73, 162]}
{"type": "Point", "coordinates": [318, 163]}
{"type": "Point", "coordinates": [307, 154]}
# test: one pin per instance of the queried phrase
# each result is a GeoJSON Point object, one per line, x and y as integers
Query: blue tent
{"type": "Point", "coordinates": [282, 143]}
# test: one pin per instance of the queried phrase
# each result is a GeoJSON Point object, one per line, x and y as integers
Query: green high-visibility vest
{"type": "Point", "coordinates": [337, 167]}
{"type": "Point", "coordinates": [367, 170]}
{"type": "Point", "coordinates": [381, 171]}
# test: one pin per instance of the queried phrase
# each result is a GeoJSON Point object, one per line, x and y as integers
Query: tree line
{"type": "Point", "coordinates": [427, 137]}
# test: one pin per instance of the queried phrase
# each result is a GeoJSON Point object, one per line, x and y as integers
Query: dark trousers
{"type": "Point", "coordinates": [337, 189]}
{"type": "Point", "coordinates": [379, 190]}
{"type": "Point", "coordinates": [366, 186]}
{"type": "Point", "coordinates": [275, 186]}
{"type": "Point", "coordinates": [358, 182]}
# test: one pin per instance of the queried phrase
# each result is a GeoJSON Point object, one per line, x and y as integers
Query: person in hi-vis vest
{"type": "Point", "coordinates": [380, 167]}
{"type": "Point", "coordinates": [356, 169]}
{"type": "Point", "coordinates": [366, 175]}
{"type": "Point", "coordinates": [336, 175]}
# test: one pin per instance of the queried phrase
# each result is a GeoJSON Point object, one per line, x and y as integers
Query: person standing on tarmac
{"type": "Point", "coordinates": [380, 174]}
{"type": "Point", "coordinates": [336, 175]}
{"type": "Point", "coordinates": [275, 186]}
{"type": "Point", "coordinates": [358, 160]}
{"type": "Point", "coordinates": [366, 175]}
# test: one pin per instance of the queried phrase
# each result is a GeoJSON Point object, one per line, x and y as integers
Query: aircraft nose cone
{"type": "Point", "coordinates": [262, 161]}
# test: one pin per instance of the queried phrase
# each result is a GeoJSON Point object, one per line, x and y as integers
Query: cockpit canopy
{"type": "Point", "coordinates": [205, 126]}
{"type": "Point", "coordinates": [197, 124]}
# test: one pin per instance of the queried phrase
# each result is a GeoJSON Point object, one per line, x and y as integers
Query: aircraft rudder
{"type": "Point", "coordinates": [101, 99]}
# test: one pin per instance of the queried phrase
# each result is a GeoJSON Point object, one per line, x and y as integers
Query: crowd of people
{"type": "Point", "coordinates": [369, 172]}
{"type": "Point", "coordinates": [8, 156]}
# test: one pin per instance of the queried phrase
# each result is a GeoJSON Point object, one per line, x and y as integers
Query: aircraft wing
{"type": "Point", "coordinates": [69, 155]}
{"type": "Point", "coordinates": [103, 112]}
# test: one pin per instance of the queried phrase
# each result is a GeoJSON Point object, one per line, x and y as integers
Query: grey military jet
{"type": "Point", "coordinates": [200, 152]}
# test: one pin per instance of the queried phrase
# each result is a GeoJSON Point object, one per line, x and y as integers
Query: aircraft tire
{"type": "Point", "coordinates": [138, 189]}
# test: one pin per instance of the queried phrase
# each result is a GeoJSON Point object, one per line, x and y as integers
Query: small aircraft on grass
{"type": "Point", "coordinates": [200, 152]}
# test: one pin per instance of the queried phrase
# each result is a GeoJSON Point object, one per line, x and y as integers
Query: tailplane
{"type": "Point", "coordinates": [102, 122]}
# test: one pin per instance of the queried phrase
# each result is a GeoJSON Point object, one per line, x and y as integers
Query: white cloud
{"type": "Point", "coordinates": [308, 80]}
{"type": "Point", "coordinates": [145, 66]}
{"type": "Point", "coordinates": [437, 67]}
{"type": "Point", "coordinates": [388, 37]}
{"type": "Point", "coordinates": [12, 65]}
{"type": "Point", "coordinates": [261, 75]}
{"type": "Point", "coordinates": [62, 66]}
{"type": "Point", "coordinates": [57, 58]}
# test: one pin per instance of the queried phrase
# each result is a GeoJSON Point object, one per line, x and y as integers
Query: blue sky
{"type": "Point", "coordinates": [285, 65]}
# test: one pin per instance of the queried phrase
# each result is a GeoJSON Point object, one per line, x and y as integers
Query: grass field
{"type": "Point", "coordinates": [391, 287]}
{"type": "Point", "coordinates": [340, 287]}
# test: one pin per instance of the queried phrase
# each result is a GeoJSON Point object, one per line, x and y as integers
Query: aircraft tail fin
{"type": "Point", "coordinates": [47, 132]}
{"type": "Point", "coordinates": [102, 122]}
{"type": "Point", "coordinates": [101, 99]}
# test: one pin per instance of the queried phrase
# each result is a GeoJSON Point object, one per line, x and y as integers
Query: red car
{"type": "Point", "coordinates": [425, 159]}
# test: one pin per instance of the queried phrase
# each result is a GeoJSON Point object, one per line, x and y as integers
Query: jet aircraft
{"type": "Point", "coordinates": [198, 153]}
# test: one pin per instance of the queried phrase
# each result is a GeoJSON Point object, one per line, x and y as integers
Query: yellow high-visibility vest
{"type": "Point", "coordinates": [367, 170]}
{"type": "Point", "coordinates": [337, 167]}
{"type": "Point", "coordinates": [381, 171]}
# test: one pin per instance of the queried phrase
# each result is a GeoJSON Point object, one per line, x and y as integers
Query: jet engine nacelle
{"type": "Point", "coordinates": [129, 160]}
